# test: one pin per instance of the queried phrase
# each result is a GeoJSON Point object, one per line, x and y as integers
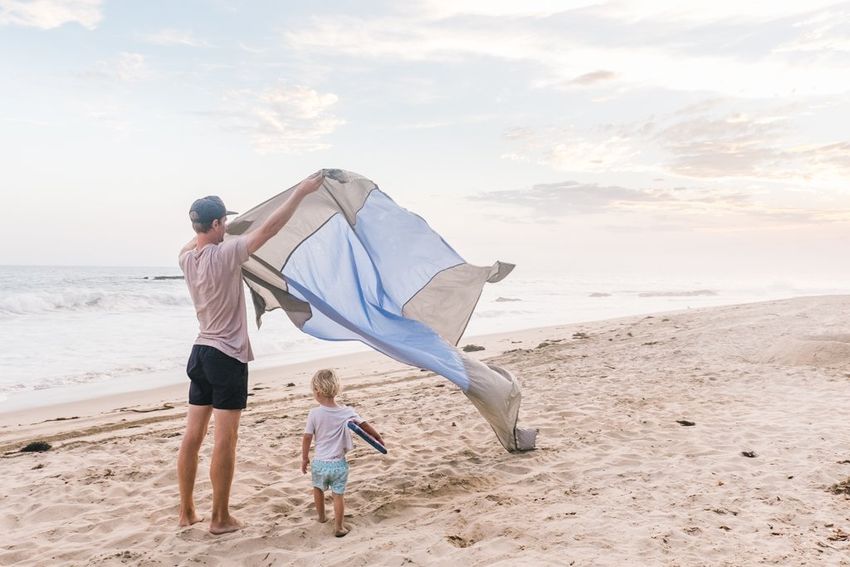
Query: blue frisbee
{"type": "Point", "coordinates": [366, 437]}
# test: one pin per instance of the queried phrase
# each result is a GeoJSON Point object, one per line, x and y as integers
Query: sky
{"type": "Point", "coordinates": [569, 137]}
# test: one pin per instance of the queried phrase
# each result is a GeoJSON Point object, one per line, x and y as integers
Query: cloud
{"type": "Point", "coordinates": [49, 14]}
{"type": "Point", "coordinates": [835, 156]}
{"type": "Point", "coordinates": [603, 155]}
{"type": "Point", "coordinates": [568, 197]}
{"type": "Point", "coordinates": [675, 11]}
{"type": "Point", "coordinates": [826, 32]}
{"type": "Point", "coordinates": [426, 125]}
{"type": "Point", "coordinates": [713, 139]}
{"type": "Point", "coordinates": [685, 208]}
{"type": "Point", "coordinates": [572, 197]}
{"type": "Point", "coordinates": [498, 8]}
{"type": "Point", "coordinates": [735, 145]}
{"type": "Point", "coordinates": [599, 149]}
{"type": "Point", "coordinates": [452, 123]}
{"type": "Point", "coordinates": [592, 78]}
{"type": "Point", "coordinates": [249, 49]}
{"type": "Point", "coordinates": [411, 39]}
{"type": "Point", "coordinates": [749, 145]}
{"type": "Point", "coordinates": [659, 52]}
{"type": "Point", "coordinates": [284, 119]}
{"type": "Point", "coordinates": [126, 67]}
{"type": "Point", "coordinates": [175, 37]}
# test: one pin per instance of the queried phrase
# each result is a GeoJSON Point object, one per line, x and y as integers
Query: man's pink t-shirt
{"type": "Point", "coordinates": [214, 277]}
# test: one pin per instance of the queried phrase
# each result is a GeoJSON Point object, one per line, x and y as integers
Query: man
{"type": "Point", "coordinates": [218, 363]}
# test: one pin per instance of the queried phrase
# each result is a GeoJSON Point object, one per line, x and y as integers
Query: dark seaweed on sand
{"type": "Point", "coordinates": [36, 447]}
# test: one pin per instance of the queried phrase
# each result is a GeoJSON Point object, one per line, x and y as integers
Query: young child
{"type": "Point", "coordinates": [328, 423]}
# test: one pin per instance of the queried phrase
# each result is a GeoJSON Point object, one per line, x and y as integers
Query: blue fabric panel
{"type": "Point", "coordinates": [402, 247]}
{"type": "Point", "coordinates": [335, 274]}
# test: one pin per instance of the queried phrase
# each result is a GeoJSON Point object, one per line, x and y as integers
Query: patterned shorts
{"type": "Point", "coordinates": [333, 474]}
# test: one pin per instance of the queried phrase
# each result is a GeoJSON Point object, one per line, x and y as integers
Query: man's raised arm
{"type": "Point", "coordinates": [282, 214]}
{"type": "Point", "coordinates": [189, 246]}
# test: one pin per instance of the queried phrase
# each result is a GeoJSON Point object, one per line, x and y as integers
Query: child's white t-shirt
{"type": "Point", "coordinates": [330, 431]}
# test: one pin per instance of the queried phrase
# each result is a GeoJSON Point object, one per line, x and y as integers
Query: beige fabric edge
{"type": "Point", "coordinates": [267, 296]}
{"type": "Point", "coordinates": [454, 290]}
{"type": "Point", "coordinates": [500, 271]}
{"type": "Point", "coordinates": [496, 395]}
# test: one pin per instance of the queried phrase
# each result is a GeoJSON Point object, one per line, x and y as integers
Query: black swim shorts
{"type": "Point", "coordinates": [217, 379]}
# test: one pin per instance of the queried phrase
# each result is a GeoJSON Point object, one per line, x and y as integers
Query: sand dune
{"type": "Point", "coordinates": [617, 480]}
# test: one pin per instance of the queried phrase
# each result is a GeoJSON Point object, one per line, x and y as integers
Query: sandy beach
{"type": "Point", "coordinates": [704, 437]}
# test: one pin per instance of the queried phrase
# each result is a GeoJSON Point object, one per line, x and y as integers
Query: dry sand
{"type": "Point", "coordinates": [617, 480]}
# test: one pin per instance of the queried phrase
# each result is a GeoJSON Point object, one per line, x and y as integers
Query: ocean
{"type": "Point", "coordinates": [71, 333]}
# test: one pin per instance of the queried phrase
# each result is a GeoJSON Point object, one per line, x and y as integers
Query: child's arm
{"type": "Point", "coordinates": [305, 451]}
{"type": "Point", "coordinates": [371, 431]}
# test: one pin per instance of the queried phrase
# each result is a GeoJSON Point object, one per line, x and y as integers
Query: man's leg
{"type": "Point", "coordinates": [197, 420]}
{"type": "Point", "coordinates": [222, 468]}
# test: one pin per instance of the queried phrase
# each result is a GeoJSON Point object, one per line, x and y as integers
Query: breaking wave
{"type": "Point", "coordinates": [37, 302]}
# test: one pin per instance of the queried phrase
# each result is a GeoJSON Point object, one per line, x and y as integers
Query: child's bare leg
{"type": "Point", "coordinates": [319, 499]}
{"type": "Point", "coordinates": [339, 513]}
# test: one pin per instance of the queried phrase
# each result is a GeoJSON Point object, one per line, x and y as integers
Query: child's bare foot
{"type": "Point", "coordinates": [226, 526]}
{"type": "Point", "coordinates": [342, 532]}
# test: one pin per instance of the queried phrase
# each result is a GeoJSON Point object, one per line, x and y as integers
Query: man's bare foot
{"type": "Point", "coordinates": [225, 527]}
{"type": "Point", "coordinates": [322, 519]}
{"type": "Point", "coordinates": [343, 532]}
{"type": "Point", "coordinates": [189, 519]}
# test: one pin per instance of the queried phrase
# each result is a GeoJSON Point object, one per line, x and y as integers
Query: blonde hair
{"type": "Point", "coordinates": [325, 383]}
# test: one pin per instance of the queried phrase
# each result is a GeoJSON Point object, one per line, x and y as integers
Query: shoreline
{"type": "Point", "coordinates": [176, 392]}
{"type": "Point", "coordinates": [117, 333]}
